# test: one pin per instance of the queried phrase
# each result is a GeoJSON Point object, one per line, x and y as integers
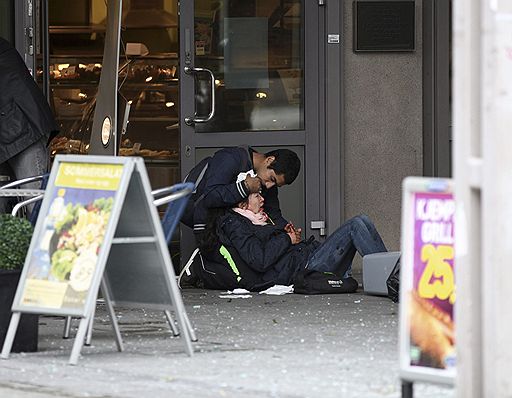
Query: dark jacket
{"type": "Point", "coordinates": [263, 256]}
{"type": "Point", "coordinates": [218, 187]}
{"type": "Point", "coordinates": [25, 116]}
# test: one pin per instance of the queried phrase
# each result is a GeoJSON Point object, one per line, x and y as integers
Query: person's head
{"type": "Point", "coordinates": [279, 167]}
{"type": "Point", "coordinates": [254, 203]}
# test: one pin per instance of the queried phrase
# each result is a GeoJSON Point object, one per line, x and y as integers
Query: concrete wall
{"type": "Point", "coordinates": [383, 129]}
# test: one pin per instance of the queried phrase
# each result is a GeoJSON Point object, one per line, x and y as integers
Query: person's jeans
{"type": "Point", "coordinates": [337, 252]}
{"type": "Point", "coordinates": [30, 162]}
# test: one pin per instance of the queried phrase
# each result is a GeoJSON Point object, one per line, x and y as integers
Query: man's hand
{"type": "Point", "coordinates": [289, 227]}
{"type": "Point", "coordinates": [293, 238]}
{"type": "Point", "coordinates": [291, 230]}
{"type": "Point", "coordinates": [253, 184]}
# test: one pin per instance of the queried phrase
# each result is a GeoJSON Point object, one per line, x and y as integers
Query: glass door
{"type": "Point", "coordinates": [249, 75]}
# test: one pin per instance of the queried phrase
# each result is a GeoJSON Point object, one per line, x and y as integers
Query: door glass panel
{"type": "Point", "coordinates": [255, 50]}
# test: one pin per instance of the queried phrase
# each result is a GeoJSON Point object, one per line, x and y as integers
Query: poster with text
{"type": "Point", "coordinates": [432, 297]}
{"type": "Point", "coordinates": [203, 34]}
{"type": "Point", "coordinates": [66, 249]}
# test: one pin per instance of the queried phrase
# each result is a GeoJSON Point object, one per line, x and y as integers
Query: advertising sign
{"type": "Point", "coordinates": [65, 252]}
{"type": "Point", "coordinates": [428, 281]}
{"type": "Point", "coordinates": [98, 227]}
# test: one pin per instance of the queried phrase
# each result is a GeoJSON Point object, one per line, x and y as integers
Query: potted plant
{"type": "Point", "coordinates": [15, 235]}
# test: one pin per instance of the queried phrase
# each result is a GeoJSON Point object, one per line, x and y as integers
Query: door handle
{"type": "Point", "coordinates": [197, 119]}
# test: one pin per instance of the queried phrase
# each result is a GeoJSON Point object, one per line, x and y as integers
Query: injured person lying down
{"type": "Point", "coordinates": [241, 248]}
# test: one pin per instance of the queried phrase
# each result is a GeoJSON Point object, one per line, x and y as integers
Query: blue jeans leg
{"type": "Point", "coordinates": [337, 252]}
{"type": "Point", "coordinates": [30, 162]}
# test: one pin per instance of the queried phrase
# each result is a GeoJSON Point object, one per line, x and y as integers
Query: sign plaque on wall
{"type": "Point", "coordinates": [384, 25]}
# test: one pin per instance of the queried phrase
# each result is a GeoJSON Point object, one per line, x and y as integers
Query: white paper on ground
{"type": "Point", "coordinates": [238, 291]}
{"type": "Point", "coordinates": [278, 290]}
{"type": "Point", "coordinates": [232, 296]}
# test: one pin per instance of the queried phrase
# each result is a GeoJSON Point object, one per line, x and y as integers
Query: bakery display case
{"type": "Point", "coordinates": [149, 82]}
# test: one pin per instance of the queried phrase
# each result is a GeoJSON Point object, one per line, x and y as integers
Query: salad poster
{"type": "Point", "coordinates": [432, 297]}
{"type": "Point", "coordinates": [65, 255]}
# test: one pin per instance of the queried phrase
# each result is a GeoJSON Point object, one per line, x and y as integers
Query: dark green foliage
{"type": "Point", "coordinates": [15, 235]}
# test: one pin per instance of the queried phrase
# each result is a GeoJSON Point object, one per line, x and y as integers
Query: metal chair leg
{"type": "Point", "coordinates": [67, 328]}
{"type": "Point", "coordinates": [171, 323]}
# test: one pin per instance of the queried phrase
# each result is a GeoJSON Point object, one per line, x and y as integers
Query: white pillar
{"type": "Point", "coordinates": [483, 179]}
{"type": "Point", "coordinates": [497, 199]}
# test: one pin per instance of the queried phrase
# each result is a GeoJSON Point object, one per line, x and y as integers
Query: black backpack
{"type": "Point", "coordinates": [316, 282]}
{"type": "Point", "coordinates": [216, 273]}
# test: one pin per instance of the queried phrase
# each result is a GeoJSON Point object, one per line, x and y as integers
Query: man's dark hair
{"type": "Point", "coordinates": [286, 163]}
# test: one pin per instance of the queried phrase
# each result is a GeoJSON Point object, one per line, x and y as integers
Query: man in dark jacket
{"type": "Point", "coordinates": [26, 121]}
{"type": "Point", "coordinates": [231, 174]}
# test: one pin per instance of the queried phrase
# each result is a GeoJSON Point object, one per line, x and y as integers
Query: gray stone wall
{"type": "Point", "coordinates": [383, 129]}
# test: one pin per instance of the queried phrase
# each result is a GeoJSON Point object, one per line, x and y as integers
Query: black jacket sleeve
{"type": "Point", "coordinates": [260, 251]}
{"type": "Point", "coordinates": [25, 116]}
{"type": "Point", "coordinates": [221, 189]}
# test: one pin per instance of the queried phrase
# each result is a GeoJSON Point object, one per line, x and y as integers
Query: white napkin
{"type": "Point", "coordinates": [236, 293]}
{"type": "Point", "coordinates": [278, 290]}
{"type": "Point", "coordinates": [241, 176]}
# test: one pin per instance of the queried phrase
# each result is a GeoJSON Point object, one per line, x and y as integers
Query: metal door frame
{"type": "Point", "coordinates": [24, 31]}
{"type": "Point", "coordinates": [332, 124]}
{"type": "Point", "coordinates": [31, 37]}
{"type": "Point", "coordinates": [437, 135]}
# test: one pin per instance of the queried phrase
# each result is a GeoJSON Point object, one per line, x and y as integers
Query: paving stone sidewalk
{"type": "Point", "coordinates": [289, 346]}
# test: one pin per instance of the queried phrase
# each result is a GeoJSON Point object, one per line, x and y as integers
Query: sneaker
{"type": "Point", "coordinates": [186, 278]}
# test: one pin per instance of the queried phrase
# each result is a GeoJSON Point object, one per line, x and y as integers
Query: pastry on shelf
{"type": "Point", "coordinates": [126, 143]}
{"type": "Point", "coordinates": [127, 152]}
{"type": "Point", "coordinates": [146, 153]}
{"type": "Point", "coordinates": [65, 145]}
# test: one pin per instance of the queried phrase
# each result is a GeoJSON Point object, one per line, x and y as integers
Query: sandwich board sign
{"type": "Point", "coordinates": [427, 291]}
{"type": "Point", "coordinates": [97, 227]}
